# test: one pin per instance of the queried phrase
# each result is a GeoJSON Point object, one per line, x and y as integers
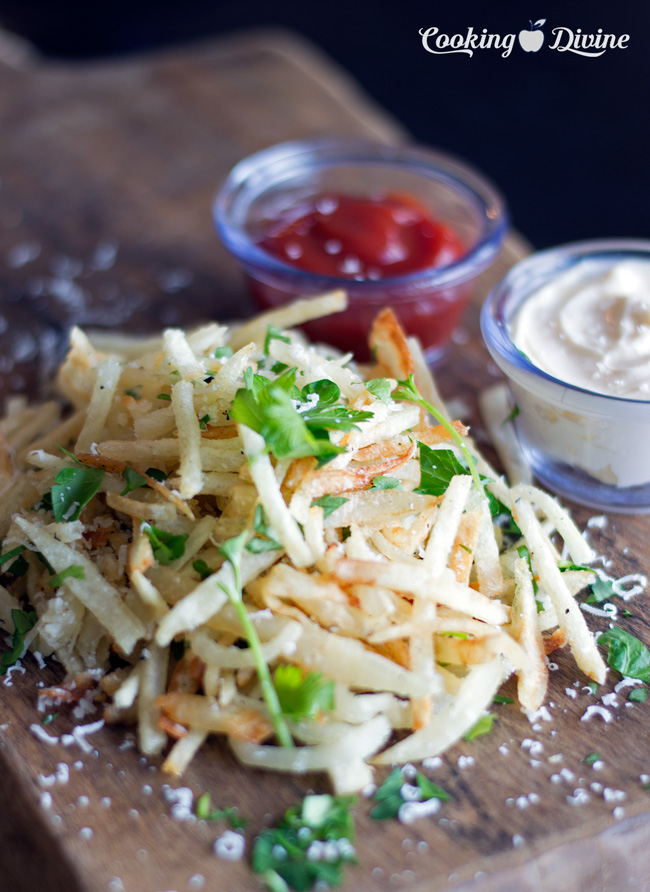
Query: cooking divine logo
{"type": "Point", "coordinates": [562, 39]}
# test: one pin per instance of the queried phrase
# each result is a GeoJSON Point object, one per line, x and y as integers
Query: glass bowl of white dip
{"type": "Point", "coordinates": [570, 329]}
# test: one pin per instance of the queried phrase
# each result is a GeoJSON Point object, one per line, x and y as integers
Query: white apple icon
{"type": "Point", "coordinates": [532, 40]}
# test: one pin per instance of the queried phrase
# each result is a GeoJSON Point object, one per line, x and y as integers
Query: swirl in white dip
{"type": "Point", "coordinates": [590, 327]}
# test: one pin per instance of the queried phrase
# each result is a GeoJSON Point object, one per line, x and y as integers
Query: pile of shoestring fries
{"type": "Point", "coordinates": [414, 606]}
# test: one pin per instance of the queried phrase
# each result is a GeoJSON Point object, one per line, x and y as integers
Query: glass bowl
{"type": "Point", "coordinates": [430, 302]}
{"type": "Point", "coordinates": [588, 446]}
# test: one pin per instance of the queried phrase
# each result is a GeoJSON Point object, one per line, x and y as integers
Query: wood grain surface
{"type": "Point", "coordinates": [107, 175]}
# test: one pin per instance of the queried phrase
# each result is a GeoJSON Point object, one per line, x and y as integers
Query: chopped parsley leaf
{"type": "Point", "coordinates": [501, 700]}
{"type": "Point", "coordinates": [73, 489]}
{"type": "Point", "coordinates": [329, 504]}
{"type": "Point", "coordinates": [380, 388]}
{"type": "Point", "coordinates": [512, 414]}
{"type": "Point", "coordinates": [389, 796]}
{"type": "Point", "coordinates": [273, 333]}
{"type": "Point", "coordinates": [167, 547]}
{"type": "Point", "coordinates": [19, 566]}
{"type": "Point", "coordinates": [638, 695]}
{"type": "Point", "coordinates": [164, 396]}
{"type": "Point", "coordinates": [224, 352]}
{"type": "Point", "coordinates": [626, 653]}
{"type": "Point", "coordinates": [483, 726]}
{"type": "Point", "coordinates": [23, 621]}
{"type": "Point", "coordinates": [156, 474]}
{"type": "Point", "coordinates": [265, 539]}
{"type": "Point", "coordinates": [591, 758]}
{"type": "Point", "coordinates": [133, 480]}
{"type": "Point", "coordinates": [601, 590]}
{"type": "Point", "coordinates": [204, 422]}
{"type": "Point", "coordinates": [202, 568]}
{"type": "Point", "coordinates": [302, 696]}
{"type": "Point", "coordinates": [382, 482]}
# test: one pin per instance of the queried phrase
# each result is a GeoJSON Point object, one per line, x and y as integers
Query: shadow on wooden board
{"type": "Point", "coordinates": [30, 857]}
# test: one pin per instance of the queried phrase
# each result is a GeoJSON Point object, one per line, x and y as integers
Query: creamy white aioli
{"type": "Point", "coordinates": [591, 328]}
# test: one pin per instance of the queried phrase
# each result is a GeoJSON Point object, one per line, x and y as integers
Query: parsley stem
{"type": "Point", "coordinates": [268, 689]}
{"type": "Point", "coordinates": [409, 392]}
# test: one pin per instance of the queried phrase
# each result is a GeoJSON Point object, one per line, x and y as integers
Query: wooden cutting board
{"type": "Point", "coordinates": [107, 174]}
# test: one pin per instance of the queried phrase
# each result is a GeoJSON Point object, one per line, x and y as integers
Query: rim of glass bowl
{"type": "Point", "coordinates": [528, 276]}
{"type": "Point", "coordinates": [269, 167]}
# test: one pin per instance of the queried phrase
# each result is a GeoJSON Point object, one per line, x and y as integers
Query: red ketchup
{"type": "Point", "coordinates": [370, 240]}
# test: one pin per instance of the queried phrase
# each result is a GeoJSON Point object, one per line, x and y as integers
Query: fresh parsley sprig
{"type": "Point", "coordinates": [23, 621]}
{"type": "Point", "coordinates": [407, 390]}
{"type": "Point", "coordinates": [232, 550]}
{"type": "Point", "coordinates": [294, 423]}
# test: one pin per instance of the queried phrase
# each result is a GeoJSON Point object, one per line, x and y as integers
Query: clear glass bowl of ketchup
{"type": "Point", "coordinates": [396, 226]}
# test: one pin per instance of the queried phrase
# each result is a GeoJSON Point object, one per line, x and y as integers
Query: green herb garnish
{"type": "Point", "coordinates": [73, 489]}
{"type": "Point", "coordinates": [591, 758]}
{"type": "Point", "coordinates": [310, 845]}
{"type": "Point", "coordinates": [74, 571]}
{"type": "Point", "coordinates": [380, 388]}
{"type": "Point", "coordinates": [265, 540]}
{"type": "Point", "coordinates": [638, 695]}
{"type": "Point", "coordinates": [407, 390]}
{"type": "Point", "coordinates": [626, 654]}
{"type": "Point", "coordinates": [273, 333]}
{"type": "Point", "coordinates": [501, 700]}
{"type": "Point", "coordinates": [224, 352]}
{"type": "Point", "coordinates": [483, 726]}
{"type": "Point", "coordinates": [389, 796]}
{"type": "Point", "coordinates": [512, 414]}
{"type": "Point", "coordinates": [10, 555]}
{"type": "Point", "coordinates": [157, 474]}
{"type": "Point", "coordinates": [202, 568]}
{"type": "Point", "coordinates": [230, 813]}
{"type": "Point", "coordinates": [23, 621]}
{"type": "Point", "coordinates": [382, 482]}
{"type": "Point", "coordinates": [601, 590]}
{"type": "Point", "coordinates": [133, 480]}
{"type": "Point", "coordinates": [329, 504]}
{"type": "Point", "coordinates": [302, 696]}
{"type": "Point", "coordinates": [167, 547]}
{"type": "Point", "coordinates": [231, 550]}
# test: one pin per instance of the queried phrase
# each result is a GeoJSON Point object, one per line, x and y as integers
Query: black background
{"type": "Point", "coordinates": [565, 137]}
